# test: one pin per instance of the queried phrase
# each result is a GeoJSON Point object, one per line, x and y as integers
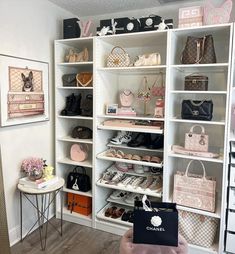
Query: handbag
{"type": "Point", "coordinates": [196, 142]}
{"type": "Point", "coordinates": [144, 92]}
{"type": "Point", "coordinates": [198, 229]}
{"type": "Point", "coordinates": [69, 80]}
{"type": "Point", "coordinates": [193, 190]}
{"type": "Point", "coordinates": [158, 88]}
{"type": "Point", "coordinates": [84, 79]}
{"type": "Point", "coordinates": [199, 50]}
{"type": "Point", "coordinates": [87, 106]}
{"type": "Point", "coordinates": [196, 82]}
{"type": "Point", "coordinates": [148, 60]}
{"type": "Point", "coordinates": [118, 59]}
{"type": "Point", "coordinates": [155, 223]}
{"type": "Point", "coordinates": [78, 181]}
{"type": "Point", "coordinates": [73, 57]}
{"type": "Point", "coordinates": [79, 152]}
{"type": "Point", "coordinates": [82, 132]}
{"type": "Point", "coordinates": [197, 110]}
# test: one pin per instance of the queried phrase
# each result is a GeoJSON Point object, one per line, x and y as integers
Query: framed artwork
{"type": "Point", "coordinates": [24, 91]}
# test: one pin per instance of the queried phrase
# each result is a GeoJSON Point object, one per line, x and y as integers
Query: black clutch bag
{"type": "Point", "coordinates": [69, 80]}
{"type": "Point", "coordinates": [197, 110]}
{"type": "Point", "coordinates": [78, 181]}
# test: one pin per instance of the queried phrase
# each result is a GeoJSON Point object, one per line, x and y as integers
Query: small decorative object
{"type": "Point", "coordinates": [84, 79]}
{"type": "Point", "coordinates": [111, 109]}
{"type": "Point", "coordinates": [148, 60]}
{"type": "Point", "coordinates": [144, 94]}
{"type": "Point", "coordinates": [33, 167]}
{"type": "Point", "coordinates": [118, 59]}
{"type": "Point", "coordinates": [217, 15]}
{"type": "Point", "coordinates": [126, 98]}
{"type": "Point", "coordinates": [48, 173]}
{"type": "Point", "coordinates": [85, 27]}
{"type": "Point", "coordinates": [191, 16]}
{"type": "Point", "coordinates": [159, 109]}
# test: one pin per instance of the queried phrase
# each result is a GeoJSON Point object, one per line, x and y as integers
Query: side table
{"type": "Point", "coordinates": [47, 195]}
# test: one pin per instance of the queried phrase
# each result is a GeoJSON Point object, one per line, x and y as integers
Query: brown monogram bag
{"type": "Point", "coordinates": [199, 50]}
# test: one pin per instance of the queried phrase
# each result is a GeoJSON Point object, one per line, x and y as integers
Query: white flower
{"type": "Point", "coordinates": [156, 221]}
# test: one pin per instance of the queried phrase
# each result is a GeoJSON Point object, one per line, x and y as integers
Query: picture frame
{"type": "Point", "coordinates": [111, 109]}
{"type": "Point", "coordinates": [24, 85]}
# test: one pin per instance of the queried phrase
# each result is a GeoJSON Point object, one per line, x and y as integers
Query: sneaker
{"type": "Point", "coordinates": [117, 178]}
{"type": "Point", "coordinates": [137, 182]}
{"type": "Point", "coordinates": [146, 183]}
{"type": "Point", "coordinates": [118, 195]}
{"type": "Point", "coordinates": [121, 166]}
{"type": "Point", "coordinates": [126, 181]}
{"type": "Point", "coordinates": [123, 137]}
{"type": "Point", "coordinates": [156, 186]}
{"type": "Point", "coordinates": [132, 197]}
{"type": "Point", "coordinates": [107, 177]}
{"type": "Point", "coordinates": [139, 169]}
{"type": "Point", "coordinates": [112, 168]}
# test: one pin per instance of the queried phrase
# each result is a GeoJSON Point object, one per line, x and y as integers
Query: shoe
{"type": "Point", "coordinates": [126, 181]}
{"type": "Point", "coordinates": [107, 177]}
{"type": "Point", "coordinates": [128, 216]}
{"type": "Point", "coordinates": [117, 178]}
{"type": "Point", "coordinates": [138, 140]}
{"type": "Point", "coordinates": [109, 211]}
{"type": "Point", "coordinates": [137, 182]}
{"type": "Point", "coordinates": [122, 166]}
{"type": "Point", "coordinates": [156, 186]}
{"type": "Point", "coordinates": [139, 169]}
{"type": "Point", "coordinates": [117, 213]}
{"type": "Point", "coordinates": [132, 197]}
{"type": "Point", "coordinates": [118, 195]}
{"type": "Point", "coordinates": [123, 137]}
{"type": "Point", "coordinates": [72, 105]}
{"type": "Point", "coordinates": [68, 104]}
{"type": "Point", "coordinates": [156, 141]}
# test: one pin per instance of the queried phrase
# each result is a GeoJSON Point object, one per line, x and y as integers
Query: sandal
{"type": "Point", "coordinates": [136, 157]}
{"type": "Point", "coordinates": [128, 156]}
{"type": "Point", "coordinates": [146, 158]}
{"type": "Point", "coordinates": [117, 213]}
{"type": "Point", "coordinates": [155, 159]}
{"type": "Point", "coordinates": [109, 211]}
{"type": "Point", "coordinates": [119, 154]}
{"type": "Point", "coordinates": [111, 153]}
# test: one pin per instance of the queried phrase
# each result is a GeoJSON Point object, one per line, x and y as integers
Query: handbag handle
{"type": "Point", "coordinates": [161, 77]}
{"type": "Point", "coordinates": [203, 168]}
{"type": "Point", "coordinates": [80, 167]}
{"type": "Point", "coordinates": [118, 47]}
{"type": "Point", "coordinates": [197, 125]}
{"type": "Point", "coordinates": [197, 104]}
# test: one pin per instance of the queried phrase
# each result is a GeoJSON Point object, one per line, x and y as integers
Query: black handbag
{"type": "Point", "coordinates": [82, 132]}
{"type": "Point", "coordinates": [69, 80]}
{"type": "Point", "coordinates": [197, 110]}
{"type": "Point", "coordinates": [78, 181]}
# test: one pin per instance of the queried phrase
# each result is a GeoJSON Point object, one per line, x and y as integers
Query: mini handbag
{"type": "Point", "coordinates": [197, 110]}
{"type": "Point", "coordinates": [196, 82]}
{"type": "Point", "coordinates": [78, 181]}
{"type": "Point", "coordinates": [196, 142]}
{"type": "Point", "coordinates": [148, 60]}
{"type": "Point", "coordinates": [118, 59]}
{"type": "Point", "coordinates": [193, 190]}
{"type": "Point", "coordinates": [158, 88]}
{"type": "Point", "coordinates": [69, 80]}
{"type": "Point", "coordinates": [82, 132]}
{"type": "Point", "coordinates": [199, 50]}
{"type": "Point", "coordinates": [84, 79]}
{"type": "Point", "coordinates": [79, 152]}
{"type": "Point", "coordinates": [144, 92]}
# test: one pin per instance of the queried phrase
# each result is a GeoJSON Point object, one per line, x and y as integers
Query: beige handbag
{"type": "Point", "coordinates": [118, 59]}
{"type": "Point", "coordinates": [148, 60]}
{"type": "Point", "coordinates": [194, 191]}
{"type": "Point", "coordinates": [73, 57]}
{"type": "Point", "coordinates": [197, 229]}
{"type": "Point", "coordinates": [196, 142]}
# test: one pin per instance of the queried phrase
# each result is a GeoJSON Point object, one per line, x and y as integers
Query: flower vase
{"type": "Point", "coordinates": [35, 175]}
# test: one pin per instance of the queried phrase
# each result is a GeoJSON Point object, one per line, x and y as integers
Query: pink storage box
{"type": "Point", "coordinates": [191, 16]}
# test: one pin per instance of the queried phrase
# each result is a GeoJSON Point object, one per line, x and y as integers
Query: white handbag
{"type": "Point", "coordinates": [118, 59]}
{"type": "Point", "coordinates": [148, 60]}
{"type": "Point", "coordinates": [196, 142]}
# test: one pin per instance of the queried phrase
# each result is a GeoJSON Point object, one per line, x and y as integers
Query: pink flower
{"type": "Point", "coordinates": [32, 164]}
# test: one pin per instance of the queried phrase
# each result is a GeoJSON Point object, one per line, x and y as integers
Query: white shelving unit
{"type": "Point", "coordinates": [65, 124]}
{"type": "Point", "coordinates": [108, 82]}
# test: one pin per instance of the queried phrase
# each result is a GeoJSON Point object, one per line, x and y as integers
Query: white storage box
{"type": "Point", "coordinates": [232, 176]}
{"type": "Point", "coordinates": [191, 16]}
{"type": "Point", "coordinates": [231, 203]}
{"type": "Point", "coordinates": [230, 243]}
{"type": "Point", "coordinates": [231, 221]}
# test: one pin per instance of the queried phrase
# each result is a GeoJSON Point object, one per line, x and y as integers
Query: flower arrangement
{"type": "Point", "coordinates": [33, 167]}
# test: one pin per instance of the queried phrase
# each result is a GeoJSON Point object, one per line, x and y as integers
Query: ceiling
{"type": "Point", "coordinates": [82, 8]}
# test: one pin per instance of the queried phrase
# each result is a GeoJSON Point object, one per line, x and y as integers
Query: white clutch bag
{"type": "Point", "coordinates": [148, 60]}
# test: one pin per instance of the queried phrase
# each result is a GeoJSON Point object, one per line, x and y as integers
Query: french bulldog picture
{"type": "Point", "coordinates": [27, 82]}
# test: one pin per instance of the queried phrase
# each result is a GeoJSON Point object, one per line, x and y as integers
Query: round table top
{"type": "Point", "coordinates": [56, 186]}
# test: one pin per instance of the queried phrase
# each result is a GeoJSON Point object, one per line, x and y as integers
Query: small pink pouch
{"type": "Point", "coordinates": [79, 152]}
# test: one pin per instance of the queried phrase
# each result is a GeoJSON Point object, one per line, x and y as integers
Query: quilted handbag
{"type": "Point", "coordinates": [193, 190]}
{"type": "Point", "coordinates": [79, 152]}
{"type": "Point", "coordinates": [198, 229]}
{"type": "Point", "coordinates": [148, 60]}
{"type": "Point", "coordinates": [69, 80]}
{"type": "Point", "coordinates": [158, 88]}
{"type": "Point", "coordinates": [78, 181]}
{"type": "Point", "coordinates": [199, 50]}
{"type": "Point", "coordinates": [196, 82]}
{"type": "Point", "coordinates": [196, 142]}
{"type": "Point", "coordinates": [197, 110]}
{"type": "Point", "coordinates": [118, 59]}
{"type": "Point", "coordinates": [84, 79]}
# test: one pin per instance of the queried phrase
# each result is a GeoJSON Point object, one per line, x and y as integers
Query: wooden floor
{"type": "Point", "coordinates": [76, 239]}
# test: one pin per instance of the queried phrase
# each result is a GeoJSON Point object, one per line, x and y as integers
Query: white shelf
{"type": "Point", "coordinates": [139, 148]}
{"type": "Point", "coordinates": [75, 64]}
{"type": "Point", "coordinates": [75, 140]}
{"type": "Point", "coordinates": [120, 202]}
{"type": "Point", "coordinates": [132, 70]}
{"type": "Point", "coordinates": [76, 117]}
{"type": "Point", "coordinates": [68, 161]}
{"type": "Point", "coordinates": [103, 156]}
{"type": "Point", "coordinates": [116, 187]}
{"type": "Point", "coordinates": [132, 129]}
{"type": "Point", "coordinates": [87, 194]}
{"type": "Point", "coordinates": [178, 120]}
{"type": "Point", "coordinates": [101, 215]}
{"type": "Point", "coordinates": [198, 92]}
{"type": "Point", "coordinates": [216, 67]}
{"type": "Point", "coordinates": [75, 88]}
{"type": "Point", "coordinates": [76, 215]}
{"type": "Point", "coordinates": [74, 41]}
{"type": "Point", "coordinates": [216, 160]}
{"type": "Point", "coordinates": [143, 117]}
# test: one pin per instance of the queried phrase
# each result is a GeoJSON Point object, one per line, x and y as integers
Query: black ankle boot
{"type": "Point", "coordinates": [68, 105]}
{"type": "Point", "coordinates": [76, 106]}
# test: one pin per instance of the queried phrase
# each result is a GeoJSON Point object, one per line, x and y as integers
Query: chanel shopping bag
{"type": "Point", "coordinates": [155, 223]}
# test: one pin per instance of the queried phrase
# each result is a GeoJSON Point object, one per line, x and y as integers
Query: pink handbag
{"type": "Point", "coordinates": [158, 88]}
{"type": "Point", "coordinates": [194, 191]}
{"type": "Point", "coordinates": [196, 142]}
{"type": "Point", "coordinates": [79, 152]}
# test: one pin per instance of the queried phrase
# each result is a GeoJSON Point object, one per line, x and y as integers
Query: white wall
{"type": "Point", "coordinates": [28, 28]}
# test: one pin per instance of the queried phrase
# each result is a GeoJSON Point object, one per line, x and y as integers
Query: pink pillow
{"type": "Point", "coordinates": [217, 15]}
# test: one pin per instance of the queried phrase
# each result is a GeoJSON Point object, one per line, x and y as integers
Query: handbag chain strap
{"type": "Point", "coordinates": [196, 104]}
